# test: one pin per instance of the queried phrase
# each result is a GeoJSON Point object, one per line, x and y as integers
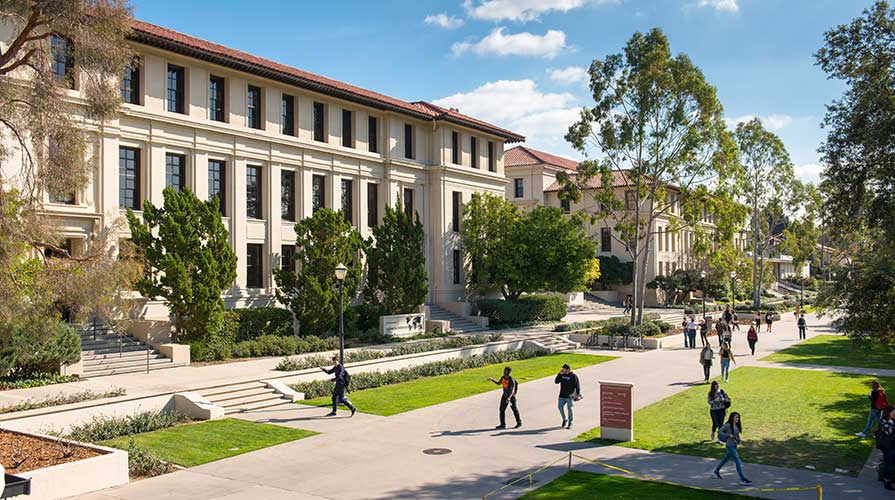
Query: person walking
{"type": "Point", "coordinates": [736, 321]}
{"type": "Point", "coordinates": [342, 379]}
{"type": "Point", "coordinates": [706, 355]}
{"type": "Point", "coordinates": [752, 337]}
{"type": "Point", "coordinates": [718, 404]}
{"type": "Point", "coordinates": [684, 324]}
{"type": "Point", "coordinates": [569, 392]}
{"type": "Point", "coordinates": [769, 319]}
{"type": "Point", "coordinates": [730, 434]}
{"type": "Point", "coordinates": [508, 398]}
{"type": "Point", "coordinates": [802, 326]}
{"type": "Point", "coordinates": [726, 356]}
{"type": "Point", "coordinates": [629, 304]}
{"type": "Point", "coordinates": [885, 442]}
{"type": "Point", "coordinates": [758, 321]}
{"type": "Point", "coordinates": [691, 332]}
{"type": "Point", "coordinates": [719, 330]}
{"type": "Point", "coordinates": [728, 334]}
{"type": "Point", "coordinates": [704, 331]}
{"type": "Point", "coordinates": [878, 401]}
{"type": "Point", "coordinates": [728, 314]}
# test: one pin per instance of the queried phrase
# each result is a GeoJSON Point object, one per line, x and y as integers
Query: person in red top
{"type": "Point", "coordinates": [878, 402]}
{"type": "Point", "coordinates": [752, 337]}
{"type": "Point", "coordinates": [508, 398]}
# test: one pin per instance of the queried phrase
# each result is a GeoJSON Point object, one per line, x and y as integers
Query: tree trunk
{"type": "Point", "coordinates": [756, 290]}
{"type": "Point", "coordinates": [642, 290]}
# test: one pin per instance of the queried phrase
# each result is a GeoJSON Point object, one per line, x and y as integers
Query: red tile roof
{"type": "Point", "coordinates": [522, 155]}
{"type": "Point", "coordinates": [174, 41]}
{"type": "Point", "coordinates": [619, 179]}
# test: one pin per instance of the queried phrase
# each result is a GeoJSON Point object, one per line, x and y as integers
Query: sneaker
{"type": "Point", "coordinates": [518, 425]}
{"type": "Point", "coordinates": [712, 437]}
{"type": "Point", "coordinates": [353, 411]}
{"type": "Point", "coordinates": [570, 425]}
{"type": "Point", "coordinates": [745, 481]}
{"type": "Point", "coordinates": [716, 474]}
{"type": "Point", "coordinates": [501, 427]}
{"type": "Point", "coordinates": [860, 434]}
{"type": "Point", "coordinates": [331, 414]}
{"type": "Point", "coordinates": [563, 424]}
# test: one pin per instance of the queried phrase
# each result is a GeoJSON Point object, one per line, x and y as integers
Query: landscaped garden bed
{"type": "Point", "coordinates": [589, 486]}
{"type": "Point", "coordinates": [23, 452]}
{"type": "Point", "coordinates": [836, 350]}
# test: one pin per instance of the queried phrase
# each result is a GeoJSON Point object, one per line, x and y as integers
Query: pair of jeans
{"type": "Point", "coordinates": [801, 332]}
{"type": "Point", "coordinates": [686, 339]}
{"type": "Point", "coordinates": [563, 403]}
{"type": "Point", "coordinates": [692, 335]}
{"type": "Point", "coordinates": [725, 368]}
{"type": "Point", "coordinates": [707, 369]}
{"type": "Point", "coordinates": [340, 398]}
{"type": "Point", "coordinates": [752, 346]}
{"type": "Point", "coordinates": [889, 464]}
{"type": "Point", "coordinates": [511, 402]}
{"type": "Point", "coordinates": [871, 418]}
{"type": "Point", "coordinates": [717, 418]}
{"type": "Point", "coordinates": [731, 453]}
{"type": "Point", "coordinates": [703, 337]}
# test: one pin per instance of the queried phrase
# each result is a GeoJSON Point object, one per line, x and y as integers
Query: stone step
{"type": "Point", "coordinates": [113, 350]}
{"type": "Point", "coordinates": [133, 369]}
{"type": "Point", "coordinates": [256, 406]}
{"type": "Point", "coordinates": [248, 400]}
{"type": "Point", "coordinates": [100, 364]}
{"type": "Point", "coordinates": [227, 398]}
{"type": "Point", "coordinates": [228, 388]}
{"type": "Point", "coordinates": [132, 353]}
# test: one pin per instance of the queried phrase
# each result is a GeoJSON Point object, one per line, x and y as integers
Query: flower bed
{"type": "Point", "coordinates": [23, 453]}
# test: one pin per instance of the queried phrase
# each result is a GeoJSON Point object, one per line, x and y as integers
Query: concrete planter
{"type": "Point", "coordinates": [607, 295]}
{"type": "Point", "coordinates": [403, 325]}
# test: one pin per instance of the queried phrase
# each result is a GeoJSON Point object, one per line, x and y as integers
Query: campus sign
{"type": "Point", "coordinates": [616, 411]}
{"type": "Point", "coordinates": [403, 325]}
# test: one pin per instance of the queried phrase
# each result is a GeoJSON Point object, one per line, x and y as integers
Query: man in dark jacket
{"type": "Point", "coordinates": [802, 325]}
{"type": "Point", "coordinates": [508, 398]}
{"type": "Point", "coordinates": [341, 386]}
{"type": "Point", "coordinates": [569, 392]}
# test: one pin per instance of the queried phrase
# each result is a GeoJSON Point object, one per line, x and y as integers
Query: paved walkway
{"type": "Point", "coordinates": [370, 457]}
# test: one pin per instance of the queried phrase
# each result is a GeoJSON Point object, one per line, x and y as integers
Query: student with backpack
{"type": "Point", "coordinates": [719, 402]}
{"type": "Point", "coordinates": [878, 402]}
{"type": "Point", "coordinates": [885, 442]}
{"type": "Point", "coordinates": [705, 359]}
{"type": "Point", "coordinates": [726, 356]}
{"type": "Point", "coordinates": [752, 338]}
{"type": "Point", "coordinates": [342, 381]}
{"type": "Point", "coordinates": [508, 398]}
{"type": "Point", "coordinates": [802, 325]}
{"type": "Point", "coordinates": [730, 436]}
{"type": "Point", "coordinates": [769, 319]}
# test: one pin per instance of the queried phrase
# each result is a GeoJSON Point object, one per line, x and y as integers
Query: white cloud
{"type": "Point", "coordinates": [443, 20]}
{"type": "Point", "coordinates": [519, 106]}
{"type": "Point", "coordinates": [809, 172]}
{"type": "Point", "coordinates": [772, 121]}
{"type": "Point", "coordinates": [521, 10]}
{"type": "Point", "coordinates": [519, 44]}
{"type": "Point", "coordinates": [571, 74]}
{"type": "Point", "coordinates": [720, 5]}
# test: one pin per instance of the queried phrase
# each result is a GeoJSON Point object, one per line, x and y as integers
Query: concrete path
{"type": "Point", "coordinates": [370, 457]}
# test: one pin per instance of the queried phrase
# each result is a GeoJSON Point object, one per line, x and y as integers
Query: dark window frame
{"type": "Point", "coordinates": [175, 178]}
{"type": "Point", "coordinates": [135, 176]}
{"type": "Point", "coordinates": [372, 204]}
{"type": "Point", "coordinates": [217, 98]}
{"type": "Point", "coordinates": [456, 202]}
{"type": "Point", "coordinates": [409, 150]}
{"type": "Point", "coordinates": [130, 84]}
{"type": "Point", "coordinates": [287, 195]}
{"type": "Point", "coordinates": [287, 258]}
{"type": "Point", "coordinates": [455, 148]}
{"type": "Point", "coordinates": [347, 192]}
{"type": "Point", "coordinates": [565, 205]}
{"type": "Point", "coordinates": [347, 128]}
{"type": "Point", "coordinates": [287, 114]}
{"type": "Point", "coordinates": [254, 107]}
{"type": "Point", "coordinates": [217, 183]}
{"type": "Point", "coordinates": [318, 192]}
{"type": "Point", "coordinates": [407, 200]}
{"type": "Point", "coordinates": [254, 265]}
{"type": "Point", "coordinates": [319, 113]}
{"type": "Point", "coordinates": [176, 75]}
{"type": "Point", "coordinates": [492, 164]}
{"type": "Point", "coordinates": [254, 200]}
{"type": "Point", "coordinates": [456, 266]}
{"type": "Point", "coordinates": [605, 239]}
{"type": "Point", "coordinates": [473, 152]}
{"type": "Point", "coordinates": [518, 188]}
{"type": "Point", "coordinates": [62, 59]}
{"type": "Point", "coordinates": [373, 134]}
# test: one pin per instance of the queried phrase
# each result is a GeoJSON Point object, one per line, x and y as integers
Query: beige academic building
{"type": "Point", "coordinates": [275, 143]}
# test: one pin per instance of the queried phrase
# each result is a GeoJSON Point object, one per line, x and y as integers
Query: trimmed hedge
{"type": "Point", "coordinates": [265, 345]}
{"type": "Point", "coordinates": [524, 310]}
{"type": "Point", "coordinates": [258, 321]}
{"type": "Point", "coordinates": [371, 380]}
{"type": "Point", "coordinates": [101, 428]}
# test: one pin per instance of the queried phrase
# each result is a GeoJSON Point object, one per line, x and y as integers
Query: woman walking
{"type": "Point", "coordinates": [705, 358]}
{"type": "Point", "coordinates": [718, 403]}
{"type": "Point", "coordinates": [769, 319]}
{"type": "Point", "coordinates": [885, 441]}
{"type": "Point", "coordinates": [704, 331]}
{"type": "Point", "coordinates": [726, 356]}
{"type": "Point", "coordinates": [878, 401]}
{"type": "Point", "coordinates": [684, 331]}
{"type": "Point", "coordinates": [719, 330]}
{"type": "Point", "coordinates": [736, 321]}
{"type": "Point", "coordinates": [730, 435]}
{"type": "Point", "coordinates": [752, 337]}
{"type": "Point", "coordinates": [758, 321]}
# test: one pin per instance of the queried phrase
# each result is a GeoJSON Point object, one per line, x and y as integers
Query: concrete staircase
{"type": "Point", "coordinates": [458, 323]}
{"type": "Point", "coordinates": [555, 343]}
{"type": "Point", "coordinates": [243, 397]}
{"type": "Point", "coordinates": [104, 352]}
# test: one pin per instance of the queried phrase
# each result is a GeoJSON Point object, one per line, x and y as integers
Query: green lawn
{"type": "Point", "coordinates": [588, 486]}
{"type": "Point", "coordinates": [791, 418]}
{"type": "Point", "coordinates": [835, 350]}
{"type": "Point", "coordinates": [398, 398]}
{"type": "Point", "coordinates": [189, 445]}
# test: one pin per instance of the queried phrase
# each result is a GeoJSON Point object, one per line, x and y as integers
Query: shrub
{"type": "Point", "coordinates": [101, 428]}
{"type": "Point", "coordinates": [524, 310]}
{"type": "Point", "coordinates": [370, 380]}
{"type": "Point", "coordinates": [143, 463]}
{"type": "Point", "coordinates": [362, 318]}
{"type": "Point", "coordinates": [61, 399]}
{"type": "Point", "coordinates": [35, 380]}
{"type": "Point", "coordinates": [257, 321]}
{"type": "Point", "coordinates": [38, 347]}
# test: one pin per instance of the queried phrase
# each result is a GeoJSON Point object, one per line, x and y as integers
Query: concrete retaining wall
{"type": "Point", "coordinates": [62, 420]}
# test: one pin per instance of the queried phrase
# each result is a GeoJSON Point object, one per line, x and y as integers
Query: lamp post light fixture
{"type": "Point", "coordinates": [702, 284]}
{"type": "Point", "coordinates": [341, 271]}
{"type": "Point", "coordinates": [733, 284]}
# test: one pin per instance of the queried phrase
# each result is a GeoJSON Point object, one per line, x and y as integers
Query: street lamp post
{"type": "Point", "coordinates": [733, 292]}
{"type": "Point", "coordinates": [702, 278]}
{"type": "Point", "coordinates": [341, 271]}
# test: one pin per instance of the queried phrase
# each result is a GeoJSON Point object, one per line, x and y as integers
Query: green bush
{"type": "Point", "coordinates": [143, 463]}
{"type": "Point", "coordinates": [35, 380]}
{"type": "Point", "coordinates": [524, 310]}
{"type": "Point", "coordinates": [578, 325]}
{"type": "Point", "coordinates": [62, 399]}
{"type": "Point", "coordinates": [38, 347]}
{"type": "Point", "coordinates": [101, 428]}
{"type": "Point", "coordinates": [258, 321]}
{"type": "Point", "coordinates": [370, 380]}
{"type": "Point", "coordinates": [362, 318]}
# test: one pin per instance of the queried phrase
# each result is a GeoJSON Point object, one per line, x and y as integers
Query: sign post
{"type": "Point", "coordinates": [616, 412]}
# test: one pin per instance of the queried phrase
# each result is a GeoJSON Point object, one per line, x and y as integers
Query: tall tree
{"type": "Point", "coordinates": [185, 249]}
{"type": "Point", "coordinates": [396, 262]}
{"type": "Point", "coordinates": [486, 233]}
{"type": "Point", "coordinates": [770, 188]}
{"type": "Point", "coordinates": [657, 132]}
{"type": "Point", "coordinates": [322, 242]}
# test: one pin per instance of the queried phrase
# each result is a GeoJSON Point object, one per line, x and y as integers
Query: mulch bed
{"type": "Point", "coordinates": [20, 453]}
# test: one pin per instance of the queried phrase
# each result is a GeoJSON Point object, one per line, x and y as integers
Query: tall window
{"type": "Point", "coordinates": [319, 122]}
{"type": "Point", "coordinates": [492, 164]}
{"type": "Point", "coordinates": [253, 192]}
{"type": "Point", "coordinates": [455, 148]}
{"type": "Point", "coordinates": [175, 171]}
{"type": "Point", "coordinates": [518, 188]}
{"type": "Point", "coordinates": [287, 114]}
{"type": "Point", "coordinates": [130, 83]}
{"type": "Point", "coordinates": [605, 239]}
{"type": "Point", "coordinates": [456, 198]}
{"type": "Point", "coordinates": [253, 107]}
{"type": "Point", "coordinates": [473, 152]}
{"type": "Point", "coordinates": [254, 266]}
{"type": "Point", "coordinates": [318, 192]}
{"type": "Point", "coordinates": [63, 60]}
{"type": "Point", "coordinates": [129, 178]}
{"type": "Point", "coordinates": [287, 258]}
{"type": "Point", "coordinates": [408, 202]}
{"type": "Point", "coordinates": [348, 200]}
{"type": "Point", "coordinates": [217, 183]}
{"type": "Point", "coordinates": [408, 141]}
{"type": "Point", "coordinates": [373, 132]}
{"type": "Point", "coordinates": [565, 205]}
{"type": "Point", "coordinates": [287, 194]}
{"type": "Point", "coordinates": [175, 89]}
{"type": "Point", "coordinates": [372, 205]}
{"type": "Point", "coordinates": [67, 198]}
{"type": "Point", "coordinates": [455, 267]}
{"type": "Point", "coordinates": [347, 137]}
{"type": "Point", "coordinates": [216, 98]}
{"type": "Point", "coordinates": [629, 200]}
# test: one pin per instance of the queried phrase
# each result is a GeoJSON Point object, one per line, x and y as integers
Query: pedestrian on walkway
{"type": "Point", "coordinates": [885, 441]}
{"type": "Point", "coordinates": [769, 319]}
{"type": "Point", "coordinates": [691, 332]}
{"type": "Point", "coordinates": [878, 401]}
{"type": "Point", "coordinates": [752, 337]}
{"type": "Point", "coordinates": [719, 330]}
{"type": "Point", "coordinates": [704, 331]}
{"type": "Point", "coordinates": [342, 379]}
{"type": "Point", "coordinates": [758, 321]}
{"type": "Point", "coordinates": [508, 398]}
{"type": "Point", "coordinates": [569, 392]}
{"type": "Point", "coordinates": [730, 435]}
{"type": "Point", "coordinates": [728, 315]}
{"type": "Point", "coordinates": [629, 304]}
{"type": "Point", "coordinates": [705, 358]}
{"type": "Point", "coordinates": [802, 326]}
{"type": "Point", "coordinates": [684, 324]}
{"type": "Point", "coordinates": [736, 321]}
{"type": "Point", "coordinates": [718, 404]}
{"type": "Point", "coordinates": [728, 334]}
{"type": "Point", "coordinates": [726, 356]}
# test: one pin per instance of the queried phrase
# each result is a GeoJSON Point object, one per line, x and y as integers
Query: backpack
{"type": "Point", "coordinates": [881, 401]}
{"type": "Point", "coordinates": [723, 435]}
{"type": "Point", "coordinates": [346, 377]}
{"type": "Point", "coordinates": [884, 441]}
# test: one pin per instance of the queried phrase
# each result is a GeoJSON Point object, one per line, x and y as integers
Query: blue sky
{"type": "Point", "coordinates": [519, 63]}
